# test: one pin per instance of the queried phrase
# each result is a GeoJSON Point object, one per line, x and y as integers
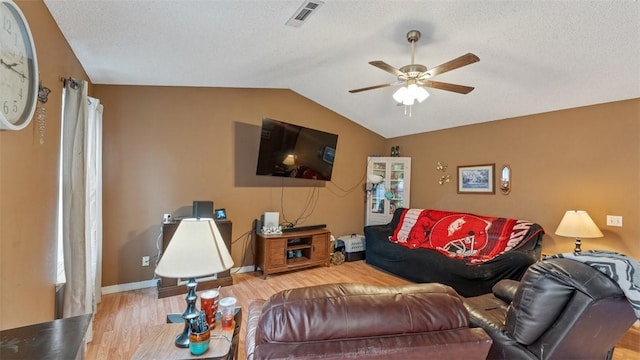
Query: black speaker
{"type": "Point", "coordinates": [203, 209]}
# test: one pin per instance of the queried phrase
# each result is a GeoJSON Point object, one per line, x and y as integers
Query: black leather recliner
{"type": "Point", "coordinates": [561, 309]}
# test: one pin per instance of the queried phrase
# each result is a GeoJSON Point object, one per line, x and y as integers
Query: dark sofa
{"type": "Point", "coordinates": [430, 266]}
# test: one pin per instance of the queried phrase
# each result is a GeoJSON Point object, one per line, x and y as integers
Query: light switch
{"type": "Point", "coordinates": [614, 220]}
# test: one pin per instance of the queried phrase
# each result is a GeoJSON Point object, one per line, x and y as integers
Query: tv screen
{"type": "Point", "coordinates": [295, 151]}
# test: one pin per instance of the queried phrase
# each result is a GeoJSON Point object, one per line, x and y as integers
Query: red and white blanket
{"type": "Point", "coordinates": [474, 238]}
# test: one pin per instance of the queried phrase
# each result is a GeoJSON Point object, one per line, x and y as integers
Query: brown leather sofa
{"type": "Point", "coordinates": [338, 321]}
{"type": "Point", "coordinates": [561, 309]}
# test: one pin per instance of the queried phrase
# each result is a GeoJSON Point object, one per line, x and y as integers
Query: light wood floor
{"type": "Point", "coordinates": [123, 319]}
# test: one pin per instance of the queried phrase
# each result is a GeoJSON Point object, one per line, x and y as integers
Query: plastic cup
{"type": "Point", "coordinates": [199, 343]}
{"type": "Point", "coordinates": [227, 311]}
{"type": "Point", "coordinates": [209, 304]}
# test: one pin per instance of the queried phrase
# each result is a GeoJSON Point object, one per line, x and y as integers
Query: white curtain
{"type": "Point", "coordinates": [94, 194]}
{"type": "Point", "coordinates": [81, 196]}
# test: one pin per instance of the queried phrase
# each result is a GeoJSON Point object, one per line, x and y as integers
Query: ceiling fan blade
{"type": "Point", "coordinates": [386, 67]}
{"type": "Point", "coordinates": [461, 89]}
{"type": "Point", "coordinates": [369, 88]}
{"type": "Point", "coordinates": [461, 61]}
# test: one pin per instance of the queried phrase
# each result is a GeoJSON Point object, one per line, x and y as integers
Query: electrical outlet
{"type": "Point", "coordinates": [145, 261]}
{"type": "Point", "coordinates": [613, 220]}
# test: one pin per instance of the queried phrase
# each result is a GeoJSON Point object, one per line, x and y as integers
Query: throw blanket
{"type": "Point", "coordinates": [622, 269]}
{"type": "Point", "coordinates": [473, 238]}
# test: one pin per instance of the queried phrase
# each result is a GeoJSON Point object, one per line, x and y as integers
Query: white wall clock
{"type": "Point", "coordinates": [18, 69]}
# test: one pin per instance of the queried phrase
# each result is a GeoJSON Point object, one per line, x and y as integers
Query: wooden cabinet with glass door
{"type": "Point", "coordinates": [392, 192]}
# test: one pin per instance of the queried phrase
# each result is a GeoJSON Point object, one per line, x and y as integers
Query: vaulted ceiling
{"type": "Point", "coordinates": [535, 56]}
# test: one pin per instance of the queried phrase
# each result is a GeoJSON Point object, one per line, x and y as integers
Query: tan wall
{"type": "Point", "coordinates": [586, 158]}
{"type": "Point", "coordinates": [167, 146]}
{"type": "Point", "coordinates": [581, 158]}
{"type": "Point", "coordinates": [28, 186]}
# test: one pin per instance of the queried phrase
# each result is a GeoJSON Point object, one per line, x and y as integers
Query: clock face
{"type": "Point", "coordinates": [18, 69]}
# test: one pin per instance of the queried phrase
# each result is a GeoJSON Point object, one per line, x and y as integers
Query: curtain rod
{"type": "Point", "coordinates": [73, 83]}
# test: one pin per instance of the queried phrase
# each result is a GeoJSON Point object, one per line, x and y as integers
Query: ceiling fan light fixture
{"type": "Point", "coordinates": [400, 94]}
{"type": "Point", "coordinates": [407, 95]}
{"type": "Point", "coordinates": [418, 92]}
{"type": "Point", "coordinates": [408, 101]}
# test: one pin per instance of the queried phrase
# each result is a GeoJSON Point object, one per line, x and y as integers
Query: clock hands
{"type": "Point", "coordinates": [11, 67]}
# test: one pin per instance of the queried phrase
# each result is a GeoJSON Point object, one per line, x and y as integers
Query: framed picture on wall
{"type": "Point", "coordinates": [328, 154]}
{"type": "Point", "coordinates": [476, 179]}
{"type": "Point", "coordinates": [221, 214]}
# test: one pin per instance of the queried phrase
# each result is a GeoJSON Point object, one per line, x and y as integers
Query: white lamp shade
{"type": "Point", "coordinates": [408, 100]}
{"type": "Point", "coordinates": [196, 249]}
{"type": "Point", "coordinates": [375, 179]}
{"type": "Point", "coordinates": [421, 94]}
{"type": "Point", "coordinates": [578, 224]}
{"type": "Point", "coordinates": [400, 94]}
{"type": "Point", "coordinates": [289, 160]}
{"type": "Point", "coordinates": [416, 92]}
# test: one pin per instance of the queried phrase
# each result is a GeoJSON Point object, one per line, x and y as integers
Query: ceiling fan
{"type": "Point", "coordinates": [415, 76]}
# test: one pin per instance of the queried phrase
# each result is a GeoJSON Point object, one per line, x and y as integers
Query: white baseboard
{"type": "Point", "coordinates": [129, 286]}
{"type": "Point", "coordinates": [243, 269]}
{"type": "Point", "coordinates": [154, 282]}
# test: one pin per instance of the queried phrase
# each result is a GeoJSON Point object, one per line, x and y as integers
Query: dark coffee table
{"type": "Point", "coordinates": [42, 341]}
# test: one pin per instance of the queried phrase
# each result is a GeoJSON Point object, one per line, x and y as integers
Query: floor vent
{"type": "Point", "coordinates": [303, 13]}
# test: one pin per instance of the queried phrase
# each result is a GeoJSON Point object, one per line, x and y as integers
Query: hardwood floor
{"type": "Point", "coordinates": [123, 319]}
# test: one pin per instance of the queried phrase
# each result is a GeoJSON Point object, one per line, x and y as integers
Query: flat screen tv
{"type": "Point", "coordinates": [295, 151]}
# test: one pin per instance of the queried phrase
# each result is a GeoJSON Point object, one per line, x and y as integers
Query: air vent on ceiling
{"type": "Point", "coordinates": [303, 13]}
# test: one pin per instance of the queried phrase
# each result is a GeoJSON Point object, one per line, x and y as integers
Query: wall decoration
{"type": "Point", "coordinates": [221, 214]}
{"type": "Point", "coordinates": [328, 154]}
{"type": "Point", "coordinates": [476, 179]}
{"type": "Point", "coordinates": [442, 166]}
{"type": "Point", "coordinates": [19, 70]}
{"type": "Point", "coordinates": [505, 180]}
{"type": "Point", "coordinates": [41, 123]}
{"type": "Point", "coordinates": [43, 93]}
{"type": "Point", "coordinates": [444, 179]}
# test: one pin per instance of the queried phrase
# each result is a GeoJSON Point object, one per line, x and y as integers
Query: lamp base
{"type": "Point", "coordinates": [578, 243]}
{"type": "Point", "coordinates": [174, 318]}
{"type": "Point", "coordinates": [182, 339]}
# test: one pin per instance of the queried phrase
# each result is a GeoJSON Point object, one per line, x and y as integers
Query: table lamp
{"type": "Point", "coordinates": [290, 160]}
{"type": "Point", "coordinates": [372, 181]}
{"type": "Point", "coordinates": [578, 224]}
{"type": "Point", "coordinates": [196, 249]}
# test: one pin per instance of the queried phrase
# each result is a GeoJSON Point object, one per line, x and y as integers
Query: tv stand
{"type": "Point", "coordinates": [291, 250]}
{"type": "Point", "coordinates": [303, 228]}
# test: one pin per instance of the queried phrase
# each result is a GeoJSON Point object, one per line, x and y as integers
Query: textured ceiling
{"type": "Point", "coordinates": [535, 56]}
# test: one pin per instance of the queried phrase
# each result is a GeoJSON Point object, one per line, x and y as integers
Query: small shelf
{"type": "Point", "coordinates": [298, 247]}
{"type": "Point", "coordinates": [300, 260]}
